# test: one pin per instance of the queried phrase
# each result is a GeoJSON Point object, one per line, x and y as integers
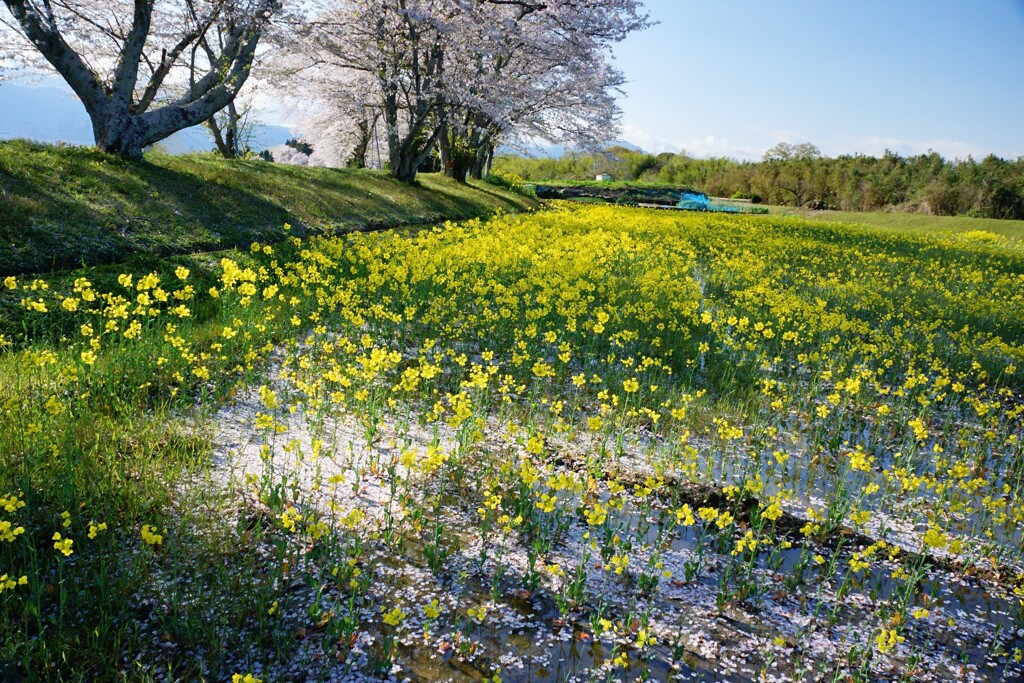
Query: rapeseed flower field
{"type": "Point", "coordinates": [587, 443]}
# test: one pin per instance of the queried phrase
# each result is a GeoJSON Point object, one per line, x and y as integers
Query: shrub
{"type": "Point", "coordinates": [510, 181]}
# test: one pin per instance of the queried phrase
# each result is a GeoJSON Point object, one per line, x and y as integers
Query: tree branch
{"type": "Point", "coordinates": [126, 74]}
{"type": "Point", "coordinates": [46, 37]}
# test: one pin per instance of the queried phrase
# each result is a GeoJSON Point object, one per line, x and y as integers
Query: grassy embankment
{"type": "Point", "coordinates": [62, 206]}
{"type": "Point", "coordinates": [613, 184]}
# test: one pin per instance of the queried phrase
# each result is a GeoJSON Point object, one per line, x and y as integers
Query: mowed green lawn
{"type": "Point", "coordinates": [911, 222]}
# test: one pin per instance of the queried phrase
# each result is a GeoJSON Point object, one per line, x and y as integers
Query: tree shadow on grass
{"type": "Point", "coordinates": [99, 210]}
{"type": "Point", "coordinates": [62, 208]}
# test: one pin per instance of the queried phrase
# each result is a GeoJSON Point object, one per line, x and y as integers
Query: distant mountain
{"type": "Point", "coordinates": [49, 114]}
{"type": "Point", "coordinates": [43, 114]}
{"type": "Point", "coordinates": [628, 145]}
{"type": "Point", "coordinates": [54, 114]}
{"type": "Point", "coordinates": [555, 151]}
{"type": "Point", "coordinates": [196, 139]}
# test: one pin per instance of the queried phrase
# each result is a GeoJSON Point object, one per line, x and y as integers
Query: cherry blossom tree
{"type": "Point", "coordinates": [538, 71]}
{"type": "Point", "coordinates": [143, 69]}
{"type": "Point", "coordinates": [338, 110]}
{"type": "Point", "coordinates": [462, 76]}
{"type": "Point", "coordinates": [396, 46]}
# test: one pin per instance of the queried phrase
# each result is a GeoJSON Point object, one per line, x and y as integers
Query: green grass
{"type": "Point", "coordinates": [125, 430]}
{"type": "Point", "coordinates": [64, 207]}
{"type": "Point", "coordinates": [893, 220]}
{"type": "Point", "coordinates": [912, 222]}
{"type": "Point", "coordinates": [611, 184]}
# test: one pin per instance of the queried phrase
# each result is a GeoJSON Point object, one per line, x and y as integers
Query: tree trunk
{"type": "Point", "coordinates": [358, 157]}
{"type": "Point", "coordinates": [409, 146]}
{"type": "Point", "coordinates": [121, 125]}
{"type": "Point", "coordinates": [230, 150]}
{"type": "Point", "coordinates": [116, 131]}
{"type": "Point", "coordinates": [444, 149]}
{"type": "Point", "coordinates": [403, 170]}
{"type": "Point", "coordinates": [461, 167]}
{"type": "Point", "coordinates": [395, 156]}
{"type": "Point", "coordinates": [490, 159]}
{"type": "Point", "coordinates": [227, 140]}
{"type": "Point", "coordinates": [456, 162]}
{"type": "Point", "coordinates": [408, 152]}
{"type": "Point", "coordinates": [482, 162]}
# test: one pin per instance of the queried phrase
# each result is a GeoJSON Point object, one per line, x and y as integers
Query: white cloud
{"type": "Point", "coordinates": [785, 135]}
{"type": "Point", "coordinates": [648, 142]}
{"type": "Point", "coordinates": [708, 146]}
{"type": "Point", "coordinates": [712, 146]}
{"type": "Point", "coordinates": [875, 145]}
{"type": "Point", "coordinates": [757, 141]}
{"type": "Point", "coordinates": [273, 108]}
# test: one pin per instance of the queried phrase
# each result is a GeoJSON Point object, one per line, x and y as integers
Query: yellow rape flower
{"type": "Point", "coordinates": [708, 514]}
{"type": "Point", "coordinates": [684, 516]}
{"type": "Point", "coordinates": [9, 532]}
{"type": "Point", "coordinates": [9, 583]}
{"type": "Point", "coordinates": [887, 639]}
{"type": "Point", "coordinates": [933, 538]}
{"type": "Point", "coordinates": [289, 518]}
{"type": "Point", "coordinates": [395, 617]}
{"type": "Point", "coordinates": [645, 638]}
{"type": "Point", "coordinates": [62, 545]}
{"type": "Point", "coordinates": [150, 536]}
{"type": "Point", "coordinates": [772, 512]}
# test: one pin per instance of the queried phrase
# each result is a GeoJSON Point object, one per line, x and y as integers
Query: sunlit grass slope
{"type": "Point", "coordinates": [61, 207]}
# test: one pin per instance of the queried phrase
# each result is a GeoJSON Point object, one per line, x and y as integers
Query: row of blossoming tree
{"type": "Point", "coordinates": [448, 78]}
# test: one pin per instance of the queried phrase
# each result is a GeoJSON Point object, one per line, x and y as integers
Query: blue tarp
{"type": "Point", "coordinates": [694, 201]}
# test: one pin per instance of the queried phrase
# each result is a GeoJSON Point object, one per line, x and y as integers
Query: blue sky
{"type": "Point", "coordinates": [734, 77]}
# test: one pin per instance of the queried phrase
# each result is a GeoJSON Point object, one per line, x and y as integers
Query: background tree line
{"type": "Point", "coordinates": [441, 82]}
{"type": "Point", "coordinates": [799, 175]}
